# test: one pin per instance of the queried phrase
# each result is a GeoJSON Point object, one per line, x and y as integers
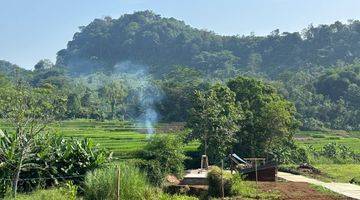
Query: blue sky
{"type": "Point", "coordinates": [34, 29]}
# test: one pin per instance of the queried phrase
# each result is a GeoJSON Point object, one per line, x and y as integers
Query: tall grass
{"type": "Point", "coordinates": [101, 184]}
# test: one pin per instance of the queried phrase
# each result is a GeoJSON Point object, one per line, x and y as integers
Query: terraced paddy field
{"type": "Point", "coordinates": [333, 172]}
{"type": "Point", "coordinates": [124, 139]}
{"type": "Point", "coordinates": [320, 138]}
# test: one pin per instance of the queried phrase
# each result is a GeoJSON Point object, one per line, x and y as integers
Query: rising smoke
{"type": "Point", "coordinates": [143, 95]}
{"type": "Point", "coordinates": [147, 92]}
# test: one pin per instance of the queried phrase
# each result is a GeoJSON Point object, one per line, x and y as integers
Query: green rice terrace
{"type": "Point", "coordinates": [122, 138]}
{"type": "Point", "coordinates": [126, 138]}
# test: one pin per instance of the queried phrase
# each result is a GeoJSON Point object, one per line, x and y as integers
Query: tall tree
{"type": "Point", "coordinates": [268, 116]}
{"type": "Point", "coordinates": [114, 94]}
{"type": "Point", "coordinates": [214, 120]}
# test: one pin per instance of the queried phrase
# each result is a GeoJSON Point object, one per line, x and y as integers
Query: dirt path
{"type": "Point", "coordinates": [298, 191]}
{"type": "Point", "coordinates": [346, 189]}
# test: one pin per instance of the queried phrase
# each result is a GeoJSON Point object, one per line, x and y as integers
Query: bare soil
{"type": "Point", "coordinates": [298, 191]}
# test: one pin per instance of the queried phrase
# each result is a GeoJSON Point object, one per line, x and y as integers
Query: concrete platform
{"type": "Point", "coordinates": [195, 177]}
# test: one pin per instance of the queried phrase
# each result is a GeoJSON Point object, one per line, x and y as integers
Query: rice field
{"type": "Point", "coordinates": [124, 139]}
{"type": "Point", "coordinates": [318, 139]}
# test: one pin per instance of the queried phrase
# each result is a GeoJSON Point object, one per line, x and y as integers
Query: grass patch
{"type": "Point", "coordinates": [49, 194]}
{"type": "Point", "coordinates": [324, 190]}
{"type": "Point", "coordinates": [340, 172]}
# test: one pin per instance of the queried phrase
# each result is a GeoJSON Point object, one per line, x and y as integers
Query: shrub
{"type": "Point", "coordinates": [154, 171]}
{"type": "Point", "coordinates": [234, 185]}
{"type": "Point", "coordinates": [215, 183]}
{"type": "Point", "coordinates": [163, 154]}
{"type": "Point", "coordinates": [287, 152]}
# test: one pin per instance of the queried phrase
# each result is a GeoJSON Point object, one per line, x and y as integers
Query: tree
{"type": "Point", "coordinates": [267, 117]}
{"type": "Point", "coordinates": [73, 105]}
{"type": "Point", "coordinates": [29, 111]}
{"type": "Point", "coordinates": [43, 65]}
{"type": "Point", "coordinates": [114, 94]}
{"type": "Point", "coordinates": [214, 120]}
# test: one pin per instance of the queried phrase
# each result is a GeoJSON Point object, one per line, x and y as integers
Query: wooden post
{"type": "Point", "coordinates": [256, 172]}
{"type": "Point", "coordinates": [117, 179]}
{"type": "Point", "coordinates": [222, 180]}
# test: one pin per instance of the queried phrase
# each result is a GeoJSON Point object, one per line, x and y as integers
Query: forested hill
{"type": "Point", "coordinates": [147, 38]}
{"type": "Point", "coordinates": [12, 70]}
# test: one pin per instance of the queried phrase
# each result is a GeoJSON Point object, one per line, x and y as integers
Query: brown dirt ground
{"type": "Point", "coordinates": [298, 191]}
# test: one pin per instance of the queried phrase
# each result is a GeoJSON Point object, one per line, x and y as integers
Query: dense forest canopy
{"type": "Point", "coordinates": [150, 39]}
{"type": "Point", "coordinates": [144, 66]}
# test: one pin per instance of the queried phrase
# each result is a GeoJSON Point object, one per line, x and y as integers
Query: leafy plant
{"type": "Point", "coordinates": [163, 154]}
{"type": "Point", "coordinates": [215, 182]}
{"type": "Point", "coordinates": [56, 160]}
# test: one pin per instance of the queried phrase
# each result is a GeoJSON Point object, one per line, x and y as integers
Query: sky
{"type": "Point", "coordinates": [31, 30]}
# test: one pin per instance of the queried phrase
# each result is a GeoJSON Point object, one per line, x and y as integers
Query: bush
{"type": "Point", "coordinates": [234, 185]}
{"type": "Point", "coordinates": [287, 152]}
{"type": "Point", "coordinates": [214, 180]}
{"type": "Point", "coordinates": [163, 154]}
{"type": "Point", "coordinates": [292, 169]}
{"type": "Point", "coordinates": [154, 171]}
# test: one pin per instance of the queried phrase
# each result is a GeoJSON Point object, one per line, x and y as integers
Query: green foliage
{"type": "Point", "coordinates": [235, 186]}
{"type": "Point", "coordinates": [215, 182]}
{"type": "Point", "coordinates": [53, 194]}
{"type": "Point", "coordinates": [287, 152]}
{"type": "Point", "coordinates": [245, 189]}
{"type": "Point", "coordinates": [28, 111]}
{"type": "Point", "coordinates": [340, 172]}
{"type": "Point", "coordinates": [325, 98]}
{"type": "Point", "coordinates": [114, 94]}
{"type": "Point", "coordinates": [163, 154]}
{"type": "Point", "coordinates": [53, 160]}
{"type": "Point", "coordinates": [101, 184]}
{"type": "Point", "coordinates": [214, 120]}
{"type": "Point", "coordinates": [44, 64]}
{"type": "Point", "coordinates": [247, 117]}
{"type": "Point", "coordinates": [148, 38]}
{"type": "Point", "coordinates": [333, 153]}
{"type": "Point", "coordinates": [268, 117]}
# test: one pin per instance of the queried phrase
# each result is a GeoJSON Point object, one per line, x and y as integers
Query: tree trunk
{"type": "Point", "coordinates": [16, 178]}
